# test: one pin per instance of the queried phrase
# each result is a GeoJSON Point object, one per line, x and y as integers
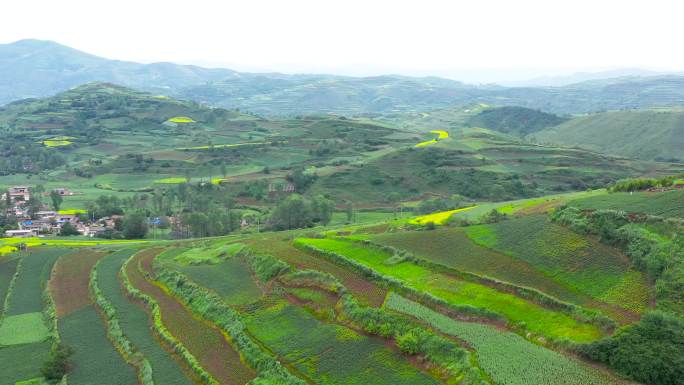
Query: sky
{"type": "Point", "coordinates": [476, 41]}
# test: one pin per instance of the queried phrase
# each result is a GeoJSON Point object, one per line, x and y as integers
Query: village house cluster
{"type": "Point", "coordinates": [44, 221]}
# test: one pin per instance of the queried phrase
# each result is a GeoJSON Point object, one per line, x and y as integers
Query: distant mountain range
{"type": "Point", "coordinates": [34, 68]}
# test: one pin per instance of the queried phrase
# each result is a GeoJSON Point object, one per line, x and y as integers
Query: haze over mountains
{"type": "Point", "coordinates": [33, 68]}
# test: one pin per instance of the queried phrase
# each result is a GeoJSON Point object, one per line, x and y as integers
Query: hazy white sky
{"type": "Point", "coordinates": [479, 39]}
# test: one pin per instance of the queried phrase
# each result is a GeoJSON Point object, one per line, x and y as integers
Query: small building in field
{"type": "Point", "coordinates": [19, 193]}
{"type": "Point", "coordinates": [63, 191]}
{"type": "Point", "coordinates": [23, 233]}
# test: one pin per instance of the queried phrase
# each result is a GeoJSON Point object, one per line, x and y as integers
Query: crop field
{"type": "Point", "coordinates": [518, 311]}
{"type": "Point", "coordinates": [95, 360]}
{"type": "Point", "coordinates": [327, 353]}
{"type": "Point", "coordinates": [22, 362]}
{"type": "Point", "coordinates": [507, 357]}
{"type": "Point", "coordinates": [666, 204]}
{"type": "Point", "coordinates": [69, 286]}
{"type": "Point", "coordinates": [203, 340]}
{"type": "Point", "coordinates": [7, 270]}
{"type": "Point", "coordinates": [578, 263]}
{"type": "Point", "coordinates": [27, 294]}
{"type": "Point", "coordinates": [231, 279]}
{"type": "Point", "coordinates": [135, 322]}
{"type": "Point", "coordinates": [365, 291]}
{"type": "Point", "coordinates": [450, 246]}
{"type": "Point", "coordinates": [438, 218]}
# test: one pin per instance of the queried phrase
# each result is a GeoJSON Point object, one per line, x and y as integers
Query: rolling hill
{"type": "Point", "coordinates": [33, 68]}
{"type": "Point", "coordinates": [644, 134]}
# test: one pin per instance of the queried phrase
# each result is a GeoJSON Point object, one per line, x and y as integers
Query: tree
{"type": "Point", "coordinates": [56, 366]}
{"type": "Point", "coordinates": [56, 200]}
{"type": "Point", "coordinates": [68, 229]}
{"type": "Point", "coordinates": [292, 213]}
{"type": "Point", "coordinates": [322, 210]}
{"type": "Point", "coordinates": [135, 226]}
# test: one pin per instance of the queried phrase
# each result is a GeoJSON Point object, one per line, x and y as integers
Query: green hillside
{"type": "Point", "coordinates": [644, 134]}
{"type": "Point", "coordinates": [515, 120]}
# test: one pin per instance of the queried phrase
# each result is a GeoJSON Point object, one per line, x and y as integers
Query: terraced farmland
{"type": "Point", "coordinates": [213, 352]}
{"type": "Point", "coordinates": [135, 323]}
{"type": "Point", "coordinates": [507, 357]}
{"type": "Point", "coordinates": [516, 310]}
{"type": "Point", "coordinates": [94, 360]}
{"type": "Point", "coordinates": [578, 263]}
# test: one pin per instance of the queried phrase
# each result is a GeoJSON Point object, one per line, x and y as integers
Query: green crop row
{"type": "Point", "coordinates": [507, 357]}
{"type": "Point", "coordinates": [410, 337]}
{"type": "Point", "coordinates": [10, 289]}
{"type": "Point", "coordinates": [531, 294]}
{"type": "Point", "coordinates": [209, 306]}
{"type": "Point", "coordinates": [398, 285]}
{"type": "Point", "coordinates": [314, 278]}
{"type": "Point", "coordinates": [265, 267]}
{"type": "Point", "coordinates": [161, 330]}
{"type": "Point", "coordinates": [116, 335]}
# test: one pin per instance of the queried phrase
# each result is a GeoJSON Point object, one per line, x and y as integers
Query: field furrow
{"type": "Point", "coordinates": [519, 312]}
{"type": "Point", "coordinates": [135, 322]}
{"type": "Point", "coordinates": [200, 337]}
{"type": "Point", "coordinates": [94, 360]}
{"type": "Point", "coordinates": [364, 290]}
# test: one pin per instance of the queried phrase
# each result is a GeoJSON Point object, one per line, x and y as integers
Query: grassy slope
{"type": "Point", "coordinates": [642, 134]}
{"type": "Point", "coordinates": [517, 310]}
{"type": "Point", "coordinates": [666, 204]}
{"type": "Point", "coordinates": [134, 322]}
{"type": "Point", "coordinates": [451, 247]}
{"type": "Point", "coordinates": [578, 263]}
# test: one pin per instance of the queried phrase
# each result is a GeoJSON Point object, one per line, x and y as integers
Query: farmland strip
{"type": "Point", "coordinates": [95, 361]}
{"type": "Point", "coordinates": [204, 341]}
{"type": "Point", "coordinates": [507, 357]}
{"type": "Point", "coordinates": [134, 322]}
{"type": "Point", "coordinates": [522, 314]}
{"type": "Point", "coordinates": [365, 291]}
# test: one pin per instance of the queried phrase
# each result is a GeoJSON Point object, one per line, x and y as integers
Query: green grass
{"type": "Point", "coordinates": [641, 134]}
{"type": "Point", "coordinates": [449, 246]}
{"type": "Point", "coordinates": [22, 362]}
{"type": "Point", "coordinates": [666, 204]}
{"type": "Point", "coordinates": [135, 322]}
{"type": "Point", "coordinates": [7, 270]}
{"type": "Point", "coordinates": [95, 361]}
{"type": "Point", "coordinates": [23, 329]}
{"type": "Point", "coordinates": [518, 311]}
{"type": "Point", "coordinates": [507, 357]}
{"type": "Point", "coordinates": [328, 353]}
{"type": "Point", "coordinates": [231, 279]}
{"type": "Point", "coordinates": [578, 263]}
{"type": "Point", "coordinates": [27, 294]}
{"type": "Point", "coordinates": [208, 253]}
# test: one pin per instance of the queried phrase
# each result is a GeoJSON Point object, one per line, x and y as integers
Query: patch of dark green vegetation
{"type": "Point", "coordinates": [515, 120]}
